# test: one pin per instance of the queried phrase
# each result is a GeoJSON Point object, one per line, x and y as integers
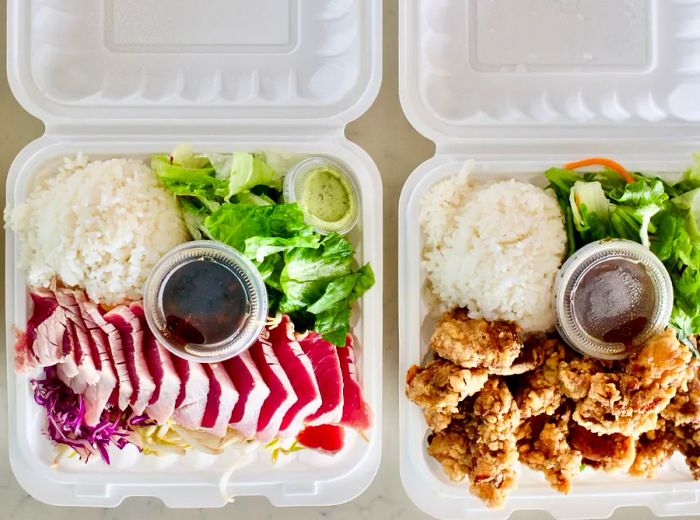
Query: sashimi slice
{"type": "Point", "coordinates": [97, 396]}
{"type": "Point", "coordinates": [129, 328]}
{"type": "Point", "coordinates": [189, 409]}
{"type": "Point", "coordinates": [356, 412]}
{"type": "Point", "coordinates": [326, 364]}
{"type": "Point", "coordinates": [86, 373]}
{"type": "Point", "coordinates": [282, 395]}
{"type": "Point", "coordinates": [297, 365]}
{"type": "Point", "coordinates": [252, 393]}
{"type": "Point", "coordinates": [44, 343]}
{"type": "Point", "coordinates": [116, 353]}
{"type": "Point", "coordinates": [221, 400]}
{"type": "Point", "coordinates": [160, 365]}
{"type": "Point", "coordinates": [67, 369]}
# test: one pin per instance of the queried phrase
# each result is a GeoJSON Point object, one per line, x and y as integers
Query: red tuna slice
{"type": "Point", "coordinates": [82, 354]}
{"type": "Point", "coordinates": [160, 365]}
{"type": "Point", "coordinates": [297, 365]}
{"type": "Point", "coordinates": [44, 343]}
{"type": "Point", "coordinates": [326, 364]}
{"type": "Point", "coordinates": [326, 437]}
{"type": "Point", "coordinates": [252, 393]}
{"type": "Point", "coordinates": [282, 395]}
{"type": "Point", "coordinates": [97, 396]}
{"type": "Point", "coordinates": [356, 412]}
{"type": "Point", "coordinates": [68, 368]}
{"type": "Point", "coordinates": [129, 328]}
{"type": "Point", "coordinates": [115, 352]}
{"type": "Point", "coordinates": [221, 400]}
{"type": "Point", "coordinates": [194, 392]}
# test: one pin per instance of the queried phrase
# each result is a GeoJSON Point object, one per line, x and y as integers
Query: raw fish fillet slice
{"type": "Point", "coordinates": [82, 352]}
{"type": "Point", "coordinates": [189, 410]}
{"type": "Point", "coordinates": [67, 369]}
{"type": "Point", "coordinates": [43, 342]}
{"type": "Point", "coordinates": [129, 328]}
{"type": "Point", "coordinates": [326, 364]}
{"type": "Point", "coordinates": [282, 395]}
{"type": "Point", "coordinates": [252, 392]}
{"type": "Point", "coordinates": [98, 395]}
{"type": "Point", "coordinates": [115, 351]}
{"type": "Point", "coordinates": [356, 412]}
{"type": "Point", "coordinates": [297, 365]}
{"type": "Point", "coordinates": [160, 365]}
{"type": "Point", "coordinates": [221, 400]}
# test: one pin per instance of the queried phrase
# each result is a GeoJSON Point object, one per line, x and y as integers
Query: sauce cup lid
{"type": "Point", "coordinates": [253, 288]}
{"type": "Point", "coordinates": [602, 279]}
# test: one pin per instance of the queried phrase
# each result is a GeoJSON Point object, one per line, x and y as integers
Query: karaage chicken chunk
{"type": "Point", "coordinates": [611, 452]}
{"type": "Point", "coordinates": [439, 387]}
{"type": "Point", "coordinates": [654, 449]}
{"type": "Point", "coordinates": [689, 445]}
{"type": "Point", "coordinates": [476, 343]}
{"type": "Point", "coordinates": [685, 405]}
{"type": "Point", "coordinates": [540, 392]}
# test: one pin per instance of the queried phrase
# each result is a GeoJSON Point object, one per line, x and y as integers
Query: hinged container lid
{"type": "Point", "coordinates": [550, 68]}
{"type": "Point", "coordinates": [272, 60]}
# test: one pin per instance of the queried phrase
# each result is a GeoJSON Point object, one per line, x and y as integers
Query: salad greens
{"type": "Point", "coordinates": [664, 217]}
{"type": "Point", "coordinates": [235, 199]}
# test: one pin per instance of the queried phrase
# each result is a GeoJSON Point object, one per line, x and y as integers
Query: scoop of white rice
{"type": "Point", "coordinates": [494, 249]}
{"type": "Point", "coordinates": [98, 225]}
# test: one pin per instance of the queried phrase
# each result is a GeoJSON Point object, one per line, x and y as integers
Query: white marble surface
{"type": "Point", "coordinates": [397, 149]}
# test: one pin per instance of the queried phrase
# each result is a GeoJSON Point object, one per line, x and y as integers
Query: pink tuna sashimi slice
{"type": "Point", "coordinates": [43, 344]}
{"type": "Point", "coordinates": [356, 412]}
{"type": "Point", "coordinates": [86, 373]}
{"type": "Point", "coordinates": [68, 368]}
{"type": "Point", "coordinates": [252, 392]}
{"type": "Point", "coordinates": [297, 365]}
{"type": "Point", "coordinates": [115, 352]}
{"type": "Point", "coordinates": [221, 400]}
{"type": "Point", "coordinates": [326, 364]}
{"type": "Point", "coordinates": [160, 365]}
{"type": "Point", "coordinates": [282, 395]}
{"type": "Point", "coordinates": [194, 391]}
{"type": "Point", "coordinates": [129, 328]}
{"type": "Point", "coordinates": [97, 396]}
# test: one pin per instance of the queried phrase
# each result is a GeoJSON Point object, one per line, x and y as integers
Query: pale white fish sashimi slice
{"type": "Point", "coordinates": [162, 404]}
{"type": "Point", "coordinates": [192, 400]}
{"type": "Point", "coordinates": [116, 353]}
{"type": "Point", "coordinates": [43, 343]}
{"type": "Point", "coordinates": [82, 352]}
{"type": "Point", "coordinates": [252, 392]}
{"type": "Point", "coordinates": [297, 365]}
{"type": "Point", "coordinates": [129, 328]}
{"type": "Point", "coordinates": [220, 401]}
{"type": "Point", "coordinates": [281, 396]}
{"type": "Point", "coordinates": [326, 364]}
{"type": "Point", "coordinates": [356, 412]}
{"type": "Point", "coordinates": [97, 396]}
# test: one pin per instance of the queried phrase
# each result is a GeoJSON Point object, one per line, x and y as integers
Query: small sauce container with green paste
{"type": "Point", "coordinates": [325, 193]}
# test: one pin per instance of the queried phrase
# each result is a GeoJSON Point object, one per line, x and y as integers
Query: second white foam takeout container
{"type": "Point", "coordinates": [519, 87]}
{"type": "Point", "coordinates": [130, 78]}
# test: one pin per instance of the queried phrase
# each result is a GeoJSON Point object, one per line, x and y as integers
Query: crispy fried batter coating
{"type": "Point", "coordinates": [685, 405]}
{"type": "Point", "coordinates": [610, 452]}
{"type": "Point", "coordinates": [540, 391]}
{"type": "Point", "coordinates": [476, 343]}
{"type": "Point", "coordinates": [439, 387]}
{"type": "Point", "coordinates": [543, 446]}
{"type": "Point", "coordinates": [689, 445]}
{"type": "Point", "coordinates": [531, 357]}
{"type": "Point", "coordinates": [654, 448]}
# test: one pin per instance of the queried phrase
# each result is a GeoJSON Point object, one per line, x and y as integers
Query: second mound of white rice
{"type": "Point", "coordinates": [495, 249]}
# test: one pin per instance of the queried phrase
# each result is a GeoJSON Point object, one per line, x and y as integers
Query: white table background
{"type": "Point", "coordinates": [397, 149]}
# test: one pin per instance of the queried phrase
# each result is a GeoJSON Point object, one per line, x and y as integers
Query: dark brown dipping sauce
{"type": "Point", "coordinates": [204, 302]}
{"type": "Point", "coordinates": [614, 300]}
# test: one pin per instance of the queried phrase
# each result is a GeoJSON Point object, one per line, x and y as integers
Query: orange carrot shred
{"type": "Point", "coordinates": [601, 161]}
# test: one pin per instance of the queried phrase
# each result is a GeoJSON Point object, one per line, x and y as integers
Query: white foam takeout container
{"type": "Point", "coordinates": [519, 87]}
{"type": "Point", "coordinates": [129, 78]}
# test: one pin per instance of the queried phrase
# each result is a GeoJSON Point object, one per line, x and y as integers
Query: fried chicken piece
{"type": "Point", "coordinates": [609, 452]}
{"type": "Point", "coordinates": [688, 437]}
{"type": "Point", "coordinates": [481, 444]}
{"type": "Point", "coordinates": [543, 446]}
{"type": "Point", "coordinates": [575, 376]}
{"type": "Point", "coordinates": [685, 405]}
{"type": "Point", "coordinates": [476, 343]}
{"type": "Point", "coordinates": [629, 400]}
{"type": "Point", "coordinates": [532, 356]}
{"type": "Point", "coordinates": [654, 449]}
{"type": "Point", "coordinates": [540, 392]}
{"type": "Point", "coordinates": [439, 387]}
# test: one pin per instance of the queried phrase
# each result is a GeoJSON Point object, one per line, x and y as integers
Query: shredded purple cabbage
{"type": "Point", "coordinates": [65, 412]}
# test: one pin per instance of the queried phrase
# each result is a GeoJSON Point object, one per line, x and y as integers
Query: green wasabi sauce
{"type": "Point", "coordinates": [328, 198]}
